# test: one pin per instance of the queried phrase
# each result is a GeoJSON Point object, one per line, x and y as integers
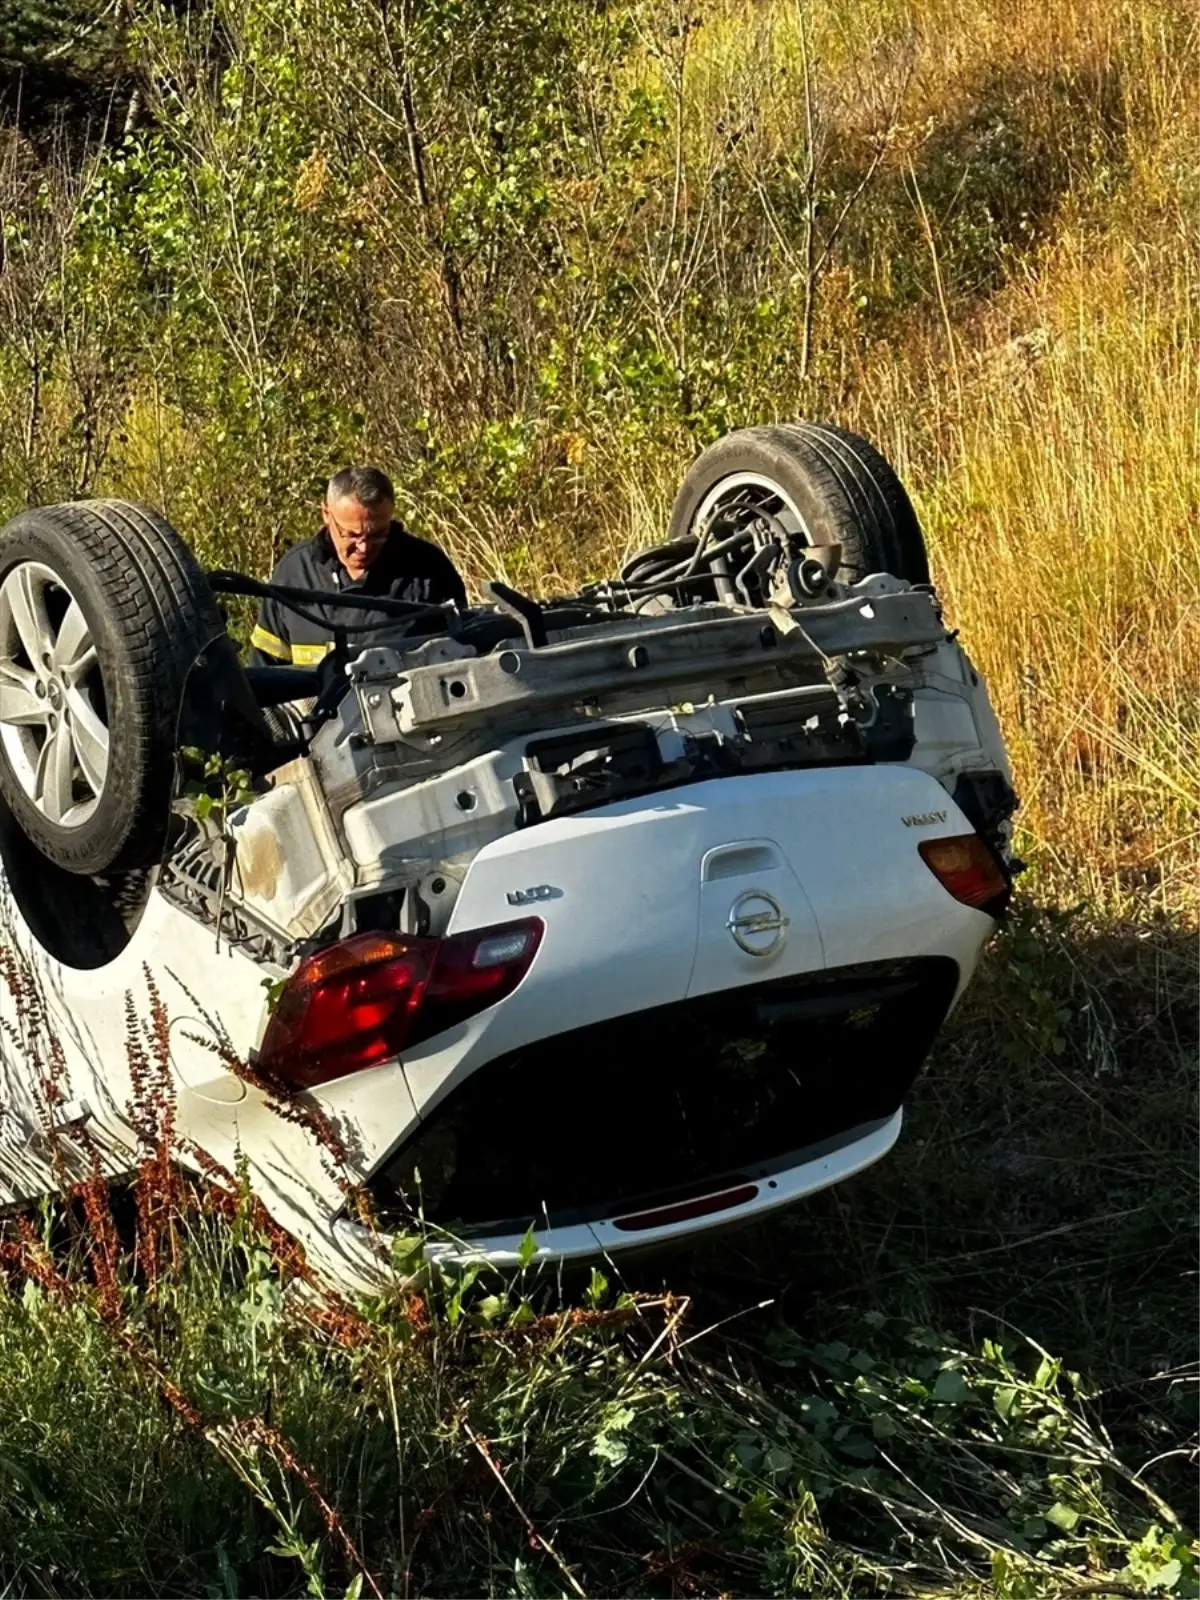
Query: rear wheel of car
{"type": "Point", "coordinates": [818, 484]}
{"type": "Point", "coordinates": [103, 610]}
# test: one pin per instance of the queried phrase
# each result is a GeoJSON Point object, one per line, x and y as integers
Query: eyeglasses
{"type": "Point", "coordinates": [363, 536]}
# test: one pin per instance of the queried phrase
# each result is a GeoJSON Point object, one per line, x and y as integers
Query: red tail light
{"type": "Point", "coordinates": [965, 867]}
{"type": "Point", "coordinates": [363, 1001]}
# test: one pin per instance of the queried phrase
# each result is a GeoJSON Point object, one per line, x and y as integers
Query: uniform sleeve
{"type": "Point", "coordinates": [445, 583]}
{"type": "Point", "coordinates": [270, 645]}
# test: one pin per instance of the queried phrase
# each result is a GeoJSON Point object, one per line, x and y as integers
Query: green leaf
{"type": "Point", "coordinates": [608, 1447]}
{"type": "Point", "coordinates": [1004, 1399]}
{"type": "Point", "coordinates": [816, 1411]}
{"type": "Point", "coordinates": [454, 1306]}
{"type": "Point", "coordinates": [528, 1248]}
{"type": "Point", "coordinates": [1062, 1516]}
{"type": "Point", "coordinates": [858, 1447]}
{"type": "Point", "coordinates": [274, 988]}
{"type": "Point", "coordinates": [951, 1387]}
{"type": "Point", "coordinates": [1158, 1563]}
{"type": "Point", "coordinates": [408, 1251]}
{"type": "Point", "coordinates": [354, 1587]}
{"type": "Point", "coordinates": [1011, 1581]}
{"type": "Point", "coordinates": [836, 1354]}
{"type": "Point", "coordinates": [1046, 1373]}
{"type": "Point", "coordinates": [757, 1513]}
{"type": "Point", "coordinates": [608, 1444]}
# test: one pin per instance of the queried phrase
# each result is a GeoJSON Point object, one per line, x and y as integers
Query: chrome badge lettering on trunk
{"type": "Point", "coordinates": [923, 819]}
{"type": "Point", "coordinates": [527, 897]}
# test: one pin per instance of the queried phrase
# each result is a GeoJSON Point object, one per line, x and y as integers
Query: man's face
{"type": "Point", "coordinates": [358, 532]}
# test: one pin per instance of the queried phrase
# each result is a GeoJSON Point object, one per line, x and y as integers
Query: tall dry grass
{"type": "Point", "coordinates": [1047, 431]}
{"type": "Point", "coordinates": [1062, 527]}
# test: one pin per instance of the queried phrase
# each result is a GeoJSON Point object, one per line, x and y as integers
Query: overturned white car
{"type": "Point", "coordinates": [614, 918]}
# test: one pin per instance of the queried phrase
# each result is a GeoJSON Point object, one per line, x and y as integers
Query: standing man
{"type": "Point", "coordinates": [361, 550]}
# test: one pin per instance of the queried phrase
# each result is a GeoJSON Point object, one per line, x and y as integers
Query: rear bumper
{"type": "Point", "coordinates": [666, 1122]}
{"type": "Point", "coordinates": [781, 1183]}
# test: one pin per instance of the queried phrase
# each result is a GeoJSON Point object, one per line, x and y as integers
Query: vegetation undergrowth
{"type": "Point", "coordinates": [185, 1410]}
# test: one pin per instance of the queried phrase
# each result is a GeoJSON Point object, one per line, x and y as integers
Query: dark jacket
{"type": "Point", "coordinates": [406, 568]}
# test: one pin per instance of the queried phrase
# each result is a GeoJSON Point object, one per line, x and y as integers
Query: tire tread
{"type": "Point", "coordinates": [157, 601]}
{"type": "Point", "coordinates": [841, 485]}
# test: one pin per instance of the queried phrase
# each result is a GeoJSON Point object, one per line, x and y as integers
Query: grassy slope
{"type": "Point", "coordinates": [1047, 1176]}
{"type": "Point", "coordinates": [1046, 1181]}
{"type": "Point", "coordinates": [1046, 429]}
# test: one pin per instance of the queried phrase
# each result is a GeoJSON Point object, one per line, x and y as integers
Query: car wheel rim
{"type": "Point", "coordinates": [53, 709]}
{"type": "Point", "coordinates": [746, 497]}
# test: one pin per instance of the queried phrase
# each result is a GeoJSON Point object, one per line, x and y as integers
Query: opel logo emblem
{"type": "Point", "coordinates": [757, 924]}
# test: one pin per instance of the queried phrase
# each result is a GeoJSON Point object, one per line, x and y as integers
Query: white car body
{"type": "Point", "coordinates": [657, 900]}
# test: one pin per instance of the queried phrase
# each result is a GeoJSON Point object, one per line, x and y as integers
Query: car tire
{"type": "Point", "coordinates": [833, 484]}
{"type": "Point", "coordinates": [103, 611]}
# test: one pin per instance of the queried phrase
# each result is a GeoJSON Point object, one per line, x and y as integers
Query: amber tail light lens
{"type": "Point", "coordinates": [361, 1002]}
{"type": "Point", "coordinates": [966, 868]}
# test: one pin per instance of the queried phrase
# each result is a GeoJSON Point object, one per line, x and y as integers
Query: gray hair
{"type": "Point", "coordinates": [368, 485]}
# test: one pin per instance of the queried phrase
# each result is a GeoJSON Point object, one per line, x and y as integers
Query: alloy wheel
{"type": "Point", "coordinates": [53, 709]}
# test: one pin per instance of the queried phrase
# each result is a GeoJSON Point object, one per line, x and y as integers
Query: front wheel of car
{"type": "Point", "coordinates": [103, 610]}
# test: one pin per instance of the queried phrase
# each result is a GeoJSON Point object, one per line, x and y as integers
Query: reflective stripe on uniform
{"type": "Point", "coordinates": [270, 645]}
{"type": "Point", "coordinates": [308, 655]}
